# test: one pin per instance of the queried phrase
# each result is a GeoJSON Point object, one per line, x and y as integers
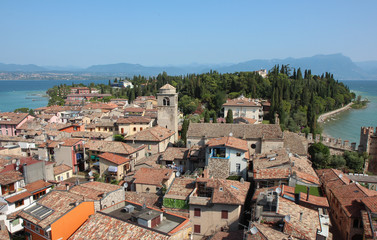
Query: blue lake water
{"type": "Point", "coordinates": [30, 93]}
{"type": "Point", "coordinates": [346, 125]}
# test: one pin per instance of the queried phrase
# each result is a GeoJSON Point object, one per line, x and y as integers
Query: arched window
{"type": "Point", "coordinates": [166, 101]}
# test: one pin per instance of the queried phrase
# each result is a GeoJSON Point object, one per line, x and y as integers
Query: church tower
{"type": "Point", "coordinates": [167, 106]}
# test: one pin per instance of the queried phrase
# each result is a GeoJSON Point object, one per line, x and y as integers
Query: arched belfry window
{"type": "Point", "coordinates": [166, 101]}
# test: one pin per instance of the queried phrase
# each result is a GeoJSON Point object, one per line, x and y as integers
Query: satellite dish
{"type": "Point", "coordinates": [340, 175]}
{"type": "Point", "coordinates": [230, 134]}
{"type": "Point", "coordinates": [254, 230]}
{"type": "Point", "coordinates": [278, 190]}
{"type": "Point", "coordinates": [125, 185]}
{"type": "Point", "coordinates": [90, 173]}
{"type": "Point", "coordinates": [287, 218]}
{"type": "Point", "coordinates": [177, 174]}
{"type": "Point", "coordinates": [18, 162]}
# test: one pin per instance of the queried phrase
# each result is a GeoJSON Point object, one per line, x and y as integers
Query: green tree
{"type": "Point", "coordinates": [185, 127]}
{"type": "Point", "coordinates": [21, 110]}
{"type": "Point", "coordinates": [354, 161]}
{"type": "Point", "coordinates": [206, 116]}
{"type": "Point", "coordinates": [214, 117]}
{"type": "Point", "coordinates": [229, 116]}
{"type": "Point", "coordinates": [319, 155]}
{"type": "Point", "coordinates": [118, 138]}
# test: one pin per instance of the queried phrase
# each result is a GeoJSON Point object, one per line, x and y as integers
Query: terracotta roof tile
{"type": "Point", "coordinates": [242, 102]}
{"type": "Point", "coordinates": [371, 203]}
{"type": "Point", "coordinates": [100, 226]}
{"type": "Point", "coordinates": [181, 188]}
{"type": "Point", "coordinates": [305, 228]}
{"type": "Point", "coordinates": [155, 134]}
{"type": "Point", "coordinates": [272, 173]}
{"type": "Point", "coordinates": [152, 176]}
{"type": "Point", "coordinates": [10, 177]}
{"type": "Point", "coordinates": [150, 199]}
{"type": "Point", "coordinates": [228, 142]}
{"type": "Point", "coordinates": [174, 153]}
{"type": "Point", "coordinates": [114, 158]}
{"type": "Point", "coordinates": [243, 131]}
{"type": "Point", "coordinates": [17, 197]}
{"type": "Point", "coordinates": [133, 120]}
{"type": "Point", "coordinates": [12, 118]}
{"type": "Point", "coordinates": [231, 192]}
{"type": "Point", "coordinates": [110, 146]}
{"type": "Point", "coordinates": [61, 169]}
{"type": "Point", "coordinates": [59, 201]}
{"type": "Point", "coordinates": [37, 186]}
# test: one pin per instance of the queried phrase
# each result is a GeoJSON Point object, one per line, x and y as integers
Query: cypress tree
{"type": "Point", "coordinates": [229, 116]}
{"type": "Point", "coordinates": [206, 116]}
{"type": "Point", "coordinates": [185, 127]}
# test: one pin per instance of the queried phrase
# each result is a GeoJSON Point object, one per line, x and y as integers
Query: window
{"type": "Point", "coordinates": [122, 130]}
{"type": "Point", "coordinates": [166, 101]}
{"type": "Point", "coordinates": [19, 203]}
{"type": "Point", "coordinates": [196, 228]}
{"type": "Point", "coordinates": [355, 223]}
{"type": "Point", "coordinates": [141, 129]}
{"type": "Point", "coordinates": [38, 195]}
{"type": "Point", "coordinates": [67, 174]}
{"type": "Point", "coordinates": [238, 154]}
{"type": "Point", "coordinates": [238, 167]}
{"type": "Point", "coordinates": [224, 214]}
{"type": "Point", "coordinates": [197, 212]}
{"type": "Point", "coordinates": [134, 129]}
{"type": "Point", "coordinates": [218, 152]}
{"type": "Point", "coordinates": [253, 146]}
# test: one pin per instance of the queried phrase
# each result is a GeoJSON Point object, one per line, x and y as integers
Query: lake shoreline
{"type": "Point", "coordinates": [322, 118]}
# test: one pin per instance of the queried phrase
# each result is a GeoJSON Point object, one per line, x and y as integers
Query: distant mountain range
{"type": "Point", "coordinates": [341, 66]}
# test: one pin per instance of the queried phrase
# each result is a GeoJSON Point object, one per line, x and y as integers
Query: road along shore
{"type": "Point", "coordinates": [324, 116]}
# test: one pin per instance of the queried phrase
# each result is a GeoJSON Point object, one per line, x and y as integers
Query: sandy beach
{"type": "Point", "coordinates": [324, 116]}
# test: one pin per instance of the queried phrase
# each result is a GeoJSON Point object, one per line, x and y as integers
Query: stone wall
{"type": "Point", "coordinates": [218, 167]}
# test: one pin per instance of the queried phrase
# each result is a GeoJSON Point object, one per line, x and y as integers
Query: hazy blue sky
{"type": "Point", "coordinates": [160, 32]}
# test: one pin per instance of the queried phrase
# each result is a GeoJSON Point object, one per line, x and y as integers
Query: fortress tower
{"type": "Point", "coordinates": [167, 106]}
{"type": "Point", "coordinates": [368, 143]}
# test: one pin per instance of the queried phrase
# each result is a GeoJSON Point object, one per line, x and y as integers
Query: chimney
{"type": "Point", "coordinates": [301, 213]}
{"type": "Point", "coordinates": [297, 198]}
{"type": "Point", "coordinates": [307, 193]}
{"type": "Point", "coordinates": [67, 186]}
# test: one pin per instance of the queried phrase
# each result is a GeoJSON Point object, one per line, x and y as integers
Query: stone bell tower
{"type": "Point", "coordinates": [167, 108]}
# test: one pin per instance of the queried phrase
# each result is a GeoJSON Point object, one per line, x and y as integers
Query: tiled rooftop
{"type": "Point", "coordinates": [152, 176]}
{"type": "Point", "coordinates": [114, 158]}
{"type": "Point", "coordinates": [12, 118]}
{"type": "Point", "coordinates": [272, 173]}
{"type": "Point", "coordinates": [306, 227]}
{"type": "Point", "coordinates": [154, 134]}
{"type": "Point", "coordinates": [227, 191]}
{"type": "Point", "coordinates": [242, 102]}
{"type": "Point", "coordinates": [231, 142]}
{"type": "Point", "coordinates": [61, 169]}
{"type": "Point", "coordinates": [10, 177]}
{"type": "Point", "coordinates": [37, 186]}
{"type": "Point", "coordinates": [243, 131]}
{"type": "Point", "coordinates": [181, 188]}
{"type": "Point", "coordinates": [133, 120]}
{"type": "Point", "coordinates": [100, 226]}
{"type": "Point", "coordinates": [150, 199]}
{"type": "Point", "coordinates": [58, 201]}
{"type": "Point", "coordinates": [174, 153]}
{"type": "Point", "coordinates": [110, 146]}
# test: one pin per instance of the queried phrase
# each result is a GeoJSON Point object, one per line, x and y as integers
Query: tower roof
{"type": "Point", "coordinates": [167, 87]}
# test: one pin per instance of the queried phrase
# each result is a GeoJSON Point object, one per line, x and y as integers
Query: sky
{"type": "Point", "coordinates": [155, 33]}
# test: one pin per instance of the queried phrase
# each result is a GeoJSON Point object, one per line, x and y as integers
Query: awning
{"type": "Point", "coordinates": [112, 169]}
